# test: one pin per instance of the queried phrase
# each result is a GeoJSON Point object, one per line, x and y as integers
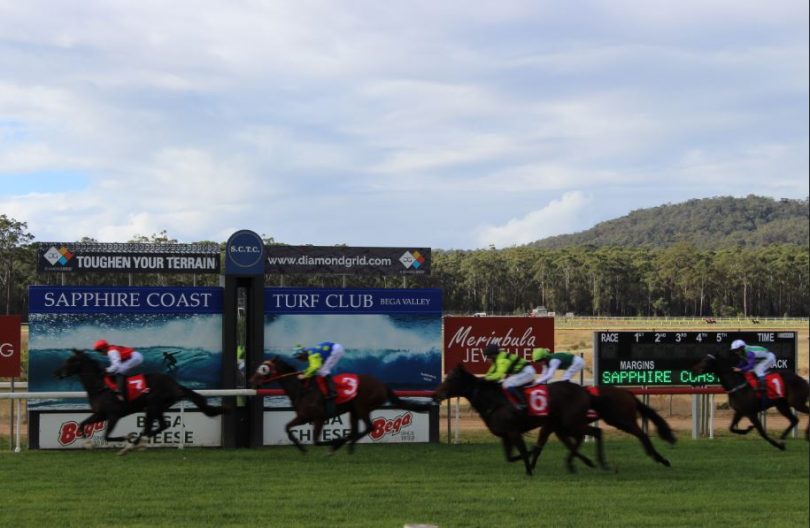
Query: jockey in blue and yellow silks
{"type": "Point", "coordinates": [322, 358]}
{"type": "Point", "coordinates": [511, 370]}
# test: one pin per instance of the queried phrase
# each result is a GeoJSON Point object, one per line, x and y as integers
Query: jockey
{"type": "Point", "coordinates": [753, 358]}
{"type": "Point", "coordinates": [551, 362]}
{"type": "Point", "coordinates": [322, 359]}
{"type": "Point", "coordinates": [122, 361]}
{"type": "Point", "coordinates": [511, 370]}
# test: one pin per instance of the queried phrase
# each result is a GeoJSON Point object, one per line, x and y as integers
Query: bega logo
{"type": "Point", "coordinates": [383, 426]}
{"type": "Point", "coordinates": [68, 431]}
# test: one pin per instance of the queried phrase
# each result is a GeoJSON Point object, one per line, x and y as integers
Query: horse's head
{"type": "Point", "coordinates": [713, 363]}
{"type": "Point", "coordinates": [269, 369]}
{"type": "Point", "coordinates": [76, 363]}
{"type": "Point", "coordinates": [459, 382]}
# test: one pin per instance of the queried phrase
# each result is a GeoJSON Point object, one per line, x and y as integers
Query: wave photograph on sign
{"type": "Point", "coordinates": [402, 350]}
{"type": "Point", "coordinates": [186, 346]}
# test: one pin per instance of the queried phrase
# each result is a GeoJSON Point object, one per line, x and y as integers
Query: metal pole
{"type": "Point", "coordinates": [711, 415]}
{"type": "Point", "coordinates": [449, 427]}
{"type": "Point", "coordinates": [182, 426]}
{"type": "Point", "coordinates": [695, 410]}
{"type": "Point", "coordinates": [457, 431]}
{"type": "Point", "coordinates": [17, 431]}
{"type": "Point", "coordinates": [11, 417]}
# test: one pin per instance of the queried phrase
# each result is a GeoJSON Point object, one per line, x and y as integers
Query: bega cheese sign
{"type": "Point", "coordinates": [192, 429]}
{"type": "Point", "coordinates": [387, 426]}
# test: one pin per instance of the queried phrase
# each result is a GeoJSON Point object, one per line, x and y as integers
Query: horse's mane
{"type": "Point", "coordinates": [282, 367]}
{"type": "Point", "coordinates": [481, 383]}
{"type": "Point", "coordinates": [87, 359]}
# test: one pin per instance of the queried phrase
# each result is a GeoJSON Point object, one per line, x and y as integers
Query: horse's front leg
{"type": "Point", "coordinates": [764, 434]}
{"type": "Point", "coordinates": [517, 440]}
{"type": "Point", "coordinates": [295, 422]}
{"type": "Point", "coordinates": [735, 420]}
{"type": "Point", "coordinates": [542, 438]}
{"type": "Point", "coordinates": [508, 448]}
{"type": "Point", "coordinates": [111, 422]}
{"type": "Point", "coordinates": [83, 428]}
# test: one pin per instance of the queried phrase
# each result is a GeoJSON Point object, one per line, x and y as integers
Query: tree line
{"type": "Point", "coordinates": [678, 280]}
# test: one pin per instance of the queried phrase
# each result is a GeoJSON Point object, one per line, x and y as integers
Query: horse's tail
{"type": "Point", "coordinates": [399, 403]}
{"type": "Point", "coordinates": [202, 404]}
{"type": "Point", "coordinates": [664, 430]}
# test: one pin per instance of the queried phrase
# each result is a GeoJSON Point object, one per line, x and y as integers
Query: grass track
{"type": "Point", "coordinates": [723, 482]}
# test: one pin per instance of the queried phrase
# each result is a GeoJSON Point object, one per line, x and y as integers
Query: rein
{"type": "Point", "coordinates": [281, 376]}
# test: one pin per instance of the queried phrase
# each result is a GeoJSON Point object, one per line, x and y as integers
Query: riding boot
{"type": "Point", "coordinates": [517, 392]}
{"type": "Point", "coordinates": [330, 388]}
{"type": "Point", "coordinates": [121, 383]}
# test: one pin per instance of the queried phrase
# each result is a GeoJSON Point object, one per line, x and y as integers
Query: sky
{"type": "Point", "coordinates": [450, 125]}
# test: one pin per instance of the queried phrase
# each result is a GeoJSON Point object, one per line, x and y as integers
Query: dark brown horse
{"type": "Point", "coordinates": [621, 408]}
{"type": "Point", "coordinates": [567, 416]}
{"type": "Point", "coordinates": [748, 403]}
{"type": "Point", "coordinates": [164, 392]}
{"type": "Point", "coordinates": [310, 405]}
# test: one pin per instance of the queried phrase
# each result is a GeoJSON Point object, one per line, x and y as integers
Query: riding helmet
{"type": "Point", "coordinates": [540, 353]}
{"type": "Point", "coordinates": [737, 344]}
{"type": "Point", "coordinates": [101, 345]}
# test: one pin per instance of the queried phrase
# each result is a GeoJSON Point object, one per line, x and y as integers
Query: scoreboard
{"type": "Point", "coordinates": [666, 357]}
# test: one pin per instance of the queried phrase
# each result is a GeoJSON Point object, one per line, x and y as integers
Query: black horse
{"type": "Point", "coordinates": [310, 405]}
{"type": "Point", "coordinates": [567, 416]}
{"type": "Point", "coordinates": [748, 402]}
{"type": "Point", "coordinates": [164, 392]}
{"type": "Point", "coordinates": [621, 408]}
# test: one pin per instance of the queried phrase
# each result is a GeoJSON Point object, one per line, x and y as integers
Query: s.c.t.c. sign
{"type": "Point", "coordinates": [244, 254]}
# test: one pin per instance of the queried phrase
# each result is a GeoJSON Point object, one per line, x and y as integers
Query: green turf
{"type": "Point", "coordinates": [722, 482]}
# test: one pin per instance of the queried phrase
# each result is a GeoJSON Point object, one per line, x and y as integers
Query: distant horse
{"type": "Point", "coordinates": [567, 416]}
{"type": "Point", "coordinates": [621, 408]}
{"type": "Point", "coordinates": [310, 406]}
{"type": "Point", "coordinates": [164, 392]}
{"type": "Point", "coordinates": [747, 402]}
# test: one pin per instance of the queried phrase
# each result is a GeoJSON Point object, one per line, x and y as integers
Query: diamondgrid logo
{"type": "Point", "coordinates": [61, 256]}
{"type": "Point", "coordinates": [413, 260]}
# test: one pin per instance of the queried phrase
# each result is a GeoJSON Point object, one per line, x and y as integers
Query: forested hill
{"type": "Point", "coordinates": [707, 223]}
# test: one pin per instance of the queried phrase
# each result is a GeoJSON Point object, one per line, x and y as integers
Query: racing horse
{"type": "Point", "coordinates": [621, 408]}
{"type": "Point", "coordinates": [747, 402]}
{"type": "Point", "coordinates": [567, 416]}
{"type": "Point", "coordinates": [310, 404]}
{"type": "Point", "coordinates": [163, 392]}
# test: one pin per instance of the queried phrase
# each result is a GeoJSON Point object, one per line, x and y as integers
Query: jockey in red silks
{"type": "Point", "coordinates": [122, 361]}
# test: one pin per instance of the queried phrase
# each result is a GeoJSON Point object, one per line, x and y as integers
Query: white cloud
{"type": "Point", "coordinates": [558, 217]}
{"type": "Point", "coordinates": [322, 122]}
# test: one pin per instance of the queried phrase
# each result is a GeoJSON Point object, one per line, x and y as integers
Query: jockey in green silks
{"type": "Point", "coordinates": [511, 370]}
{"type": "Point", "coordinates": [551, 362]}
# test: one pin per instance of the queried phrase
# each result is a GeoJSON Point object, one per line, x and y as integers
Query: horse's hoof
{"type": "Point", "coordinates": [781, 446]}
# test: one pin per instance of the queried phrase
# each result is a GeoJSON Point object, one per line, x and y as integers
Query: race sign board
{"type": "Point", "coordinates": [667, 357]}
{"type": "Point", "coordinates": [10, 346]}
{"type": "Point", "coordinates": [465, 338]}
